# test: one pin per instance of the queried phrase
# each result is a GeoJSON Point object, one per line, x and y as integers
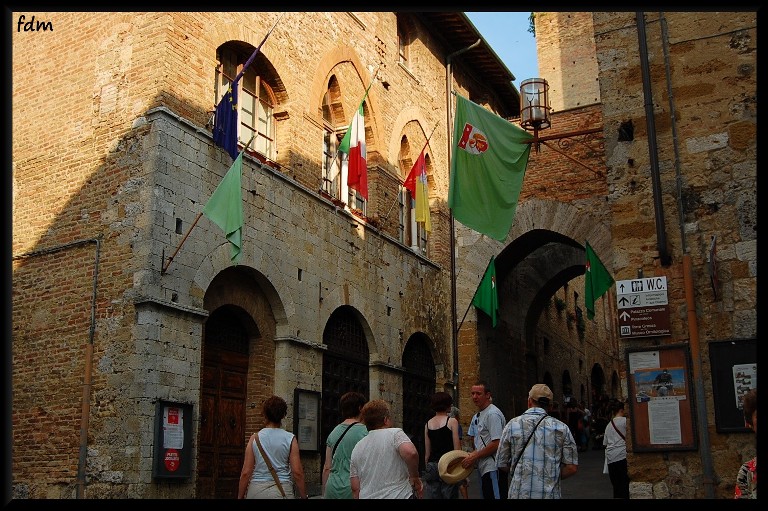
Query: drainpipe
{"type": "Point", "coordinates": [454, 328]}
{"type": "Point", "coordinates": [86, 404]}
{"type": "Point", "coordinates": [693, 327]}
{"type": "Point", "coordinates": [661, 235]}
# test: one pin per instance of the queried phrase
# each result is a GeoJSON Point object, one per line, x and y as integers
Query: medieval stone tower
{"type": "Point", "coordinates": [565, 44]}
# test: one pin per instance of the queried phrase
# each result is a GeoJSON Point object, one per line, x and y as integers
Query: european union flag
{"type": "Point", "coordinates": [225, 122]}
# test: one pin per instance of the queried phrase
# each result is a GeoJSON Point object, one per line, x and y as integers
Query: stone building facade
{"type": "Point", "coordinates": [119, 283]}
{"type": "Point", "coordinates": [697, 227]}
{"type": "Point", "coordinates": [126, 301]}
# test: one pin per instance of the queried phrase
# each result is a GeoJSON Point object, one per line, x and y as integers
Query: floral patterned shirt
{"type": "Point", "coordinates": [746, 481]}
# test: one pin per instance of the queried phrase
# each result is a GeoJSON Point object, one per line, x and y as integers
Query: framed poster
{"type": "Point", "coordinates": [661, 399]}
{"type": "Point", "coordinates": [172, 451]}
{"type": "Point", "coordinates": [734, 372]}
{"type": "Point", "coordinates": [306, 419]}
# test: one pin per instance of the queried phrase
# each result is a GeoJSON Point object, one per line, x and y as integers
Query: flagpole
{"type": "Point", "coordinates": [170, 259]}
{"type": "Point", "coordinates": [429, 137]}
{"type": "Point", "coordinates": [384, 219]}
{"type": "Point", "coordinates": [449, 135]}
{"type": "Point", "coordinates": [253, 55]}
{"type": "Point", "coordinates": [197, 218]}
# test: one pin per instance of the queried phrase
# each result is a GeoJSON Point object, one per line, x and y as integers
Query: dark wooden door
{"type": "Point", "coordinates": [221, 440]}
{"type": "Point", "coordinates": [418, 387]}
{"type": "Point", "coordinates": [345, 367]}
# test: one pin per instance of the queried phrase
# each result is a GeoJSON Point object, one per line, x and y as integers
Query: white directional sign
{"type": "Point", "coordinates": [641, 292]}
{"type": "Point", "coordinates": [642, 305]}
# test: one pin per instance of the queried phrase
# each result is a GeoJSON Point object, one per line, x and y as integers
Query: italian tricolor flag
{"type": "Point", "coordinates": [353, 144]}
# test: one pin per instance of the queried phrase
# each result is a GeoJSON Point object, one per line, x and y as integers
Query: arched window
{"type": "Point", "coordinates": [410, 232]}
{"type": "Point", "coordinates": [256, 100]}
{"type": "Point", "coordinates": [334, 168]}
{"type": "Point", "coordinates": [334, 162]}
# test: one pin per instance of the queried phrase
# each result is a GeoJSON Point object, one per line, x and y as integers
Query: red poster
{"type": "Point", "coordinates": [172, 460]}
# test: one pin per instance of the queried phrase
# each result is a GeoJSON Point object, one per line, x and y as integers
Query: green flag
{"type": "Point", "coordinates": [486, 298]}
{"type": "Point", "coordinates": [597, 281]}
{"type": "Point", "coordinates": [487, 169]}
{"type": "Point", "coordinates": [225, 207]}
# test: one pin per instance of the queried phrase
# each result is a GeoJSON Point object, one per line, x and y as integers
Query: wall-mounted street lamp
{"type": "Point", "coordinates": [535, 116]}
{"type": "Point", "coordinates": [534, 105]}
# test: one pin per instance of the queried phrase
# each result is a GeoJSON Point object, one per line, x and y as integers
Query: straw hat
{"type": "Point", "coordinates": [450, 468]}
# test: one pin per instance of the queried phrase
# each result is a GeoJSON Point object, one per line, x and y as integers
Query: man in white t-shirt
{"type": "Point", "coordinates": [485, 430]}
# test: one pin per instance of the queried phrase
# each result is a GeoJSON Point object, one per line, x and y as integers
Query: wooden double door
{"type": "Point", "coordinates": [221, 444]}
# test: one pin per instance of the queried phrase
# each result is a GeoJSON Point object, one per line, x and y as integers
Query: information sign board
{"type": "Point", "coordinates": [643, 307]}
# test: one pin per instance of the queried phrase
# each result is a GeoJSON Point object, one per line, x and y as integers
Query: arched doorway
{"type": "Point", "coordinates": [345, 366]}
{"type": "Point", "coordinates": [418, 387]}
{"type": "Point", "coordinates": [597, 380]}
{"type": "Point", "coordinates": [222, 404]}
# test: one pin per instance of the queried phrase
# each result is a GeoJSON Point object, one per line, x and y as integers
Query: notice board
{"type": "Point", "coordinates": [734, 372]}
{"type": "Point", "coordinates": [661, 399]}
{"type": "Point", "coordinates": [306, 419]}
{"type": "Point", "coordinates": [173, 441]}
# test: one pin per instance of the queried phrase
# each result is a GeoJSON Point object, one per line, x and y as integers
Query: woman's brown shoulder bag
{"type": "Point", "coordinates": [269, 465]}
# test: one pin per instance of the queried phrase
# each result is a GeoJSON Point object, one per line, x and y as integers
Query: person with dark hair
{"type": "Point", "coordinates": [575, 417]}
{"type": "Point", "coordinates": [271, 478]}
{"type": "Point", "coordinates": [746, 480]}
{"type": "Point", "coordinates": [339, 445]}
{"type": "Point", "coordinates": [384, 464]}
{"type": "Point", "coordinates": [537, 450]}
{"type": "Point", "coordinates": [441, 434]}
{"type": "Point", "coordinates": [615, 443]}
{"type": "Point", "coordinates": [485, 430]}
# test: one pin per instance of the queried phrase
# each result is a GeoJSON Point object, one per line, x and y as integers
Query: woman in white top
{"type": "Point", "coordinates": [616, 451]}
{"type": "Point", "coordinates": [384, 464]}
{"type": "Point", "coordinates": [282, 449]}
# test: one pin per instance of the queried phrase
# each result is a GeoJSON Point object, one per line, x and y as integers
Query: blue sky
{"type": "Point", "coordinates": [507, 33]}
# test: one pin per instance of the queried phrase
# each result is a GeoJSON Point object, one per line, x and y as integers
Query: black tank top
{"type": "Point", "coordinates": [440, 441]}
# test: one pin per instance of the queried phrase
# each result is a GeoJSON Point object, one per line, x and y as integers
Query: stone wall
{"type": "Point", "coordinates": [565, 48]}
{"type": "Point", "coordinates": [703, 78]}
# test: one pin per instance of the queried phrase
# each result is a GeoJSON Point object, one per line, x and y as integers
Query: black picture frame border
{"type": "Point", "coordinates": [723, 355]}
{"type": "Point", "coordinates": [184, 471]}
